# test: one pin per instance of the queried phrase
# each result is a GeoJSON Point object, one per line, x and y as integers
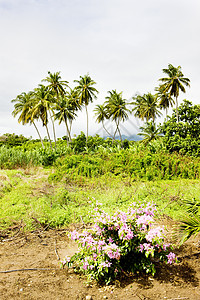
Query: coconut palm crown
{"type": "Point", "coordinates": [174, 83]}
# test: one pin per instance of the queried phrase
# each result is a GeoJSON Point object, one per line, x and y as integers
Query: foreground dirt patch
{"type": "Point", "coordinates": [38, 253]}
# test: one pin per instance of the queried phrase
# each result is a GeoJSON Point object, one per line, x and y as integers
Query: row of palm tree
{"type": "Point", "coordinates": [54, 102]}
{"type": "Point", "coordinates": [166, 96]}
{"type": "Point", "coordinates": [57, 101]}
{"type": "Point", "coordinates": [146, 107]}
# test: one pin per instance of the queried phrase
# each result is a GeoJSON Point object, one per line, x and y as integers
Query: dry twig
{"type": "Point", "coordinates": [28, 269]}
{"type": "Point", "coordinates": [58, 257]}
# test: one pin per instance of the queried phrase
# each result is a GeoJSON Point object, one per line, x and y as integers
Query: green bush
{"type": "Point", "coordinates": [143, 165]}
{"type": "Point", "coordinates": [183, 136]}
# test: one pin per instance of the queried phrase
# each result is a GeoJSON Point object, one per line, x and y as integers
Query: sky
{"type": "Point", "coordinates": [122, 44]}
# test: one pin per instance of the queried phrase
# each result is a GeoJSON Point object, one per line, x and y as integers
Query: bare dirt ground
{"type": "Point", "coordinates": [30, 269]}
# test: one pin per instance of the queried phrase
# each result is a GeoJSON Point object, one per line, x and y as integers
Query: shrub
{"type": "Point", "coordinates": [123, 242]}
{"type": "Point", "coordinates": [79, 144]}
{"type": "Point", "coordinates": [48, 156]}
{"type": "Point", "coordinates": [183, 136]}
{"type": "Point", "coordinates": [12, 140]}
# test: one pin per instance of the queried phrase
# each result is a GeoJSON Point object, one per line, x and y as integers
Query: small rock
{"type": "Point", "coordinates": [105, 297]}
{"type": "Point", "coordinates": [88, 297]}
{"type": "Point", "coordinates": [150, 278]}
{"type": "Point", "coordinates": [21, 290]}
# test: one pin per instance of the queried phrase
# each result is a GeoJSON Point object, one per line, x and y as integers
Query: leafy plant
{"type": "Point", "coordinates": [190, 223]}
{"type": "Point", "coordinates": [122, 242]}
{"type": "Point", "coordinates": [183, 137]}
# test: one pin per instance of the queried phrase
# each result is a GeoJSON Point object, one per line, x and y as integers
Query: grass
{"type": "Point", "coordinates": [29, 198]}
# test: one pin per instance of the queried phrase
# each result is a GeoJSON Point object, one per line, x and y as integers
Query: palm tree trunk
{"type": "Point", "coordinates": [39, 135]}
{"type": "Point", "coordinates": [54, 132]}
{"type": "Point", "coordinates": [119, 131]}
{"type": "Point", "coordinates": [107, 131]}
{"type": "Point", "coordinates": [68, 132]}
{"type": "Point", "coordinates": [177, 109]}
{"type": "Point", "coordinates": [49, 136]}
{"type": "Point", "coordinates": [115, 132]}
{"type": "Point", "coordinates": [70, 129]}
{"type": "Point", "coordinates": [87, 123]}
{"type": "Point", "coordinates": [166, 113]}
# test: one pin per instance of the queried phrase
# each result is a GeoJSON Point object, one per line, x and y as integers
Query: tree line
{"type": "Point", "coordinates": [53, 99]}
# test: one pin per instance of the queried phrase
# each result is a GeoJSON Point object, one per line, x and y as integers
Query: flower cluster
{"type": "Point", "coordinates": [121, 242]}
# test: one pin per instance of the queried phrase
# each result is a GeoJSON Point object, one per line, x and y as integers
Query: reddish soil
{"type": "Point", "coordinates": [38, 254]}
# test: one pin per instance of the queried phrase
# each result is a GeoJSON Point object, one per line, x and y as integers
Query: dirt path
{"type": "Point", "coordinates": [38, 252]}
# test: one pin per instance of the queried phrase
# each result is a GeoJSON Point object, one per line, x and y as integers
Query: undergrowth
{"type": "Point", "coordinates": [28, 197]}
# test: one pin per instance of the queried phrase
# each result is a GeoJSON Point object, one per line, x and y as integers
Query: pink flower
{"type": "Point", "coordinates": [147, 246]}
{"type": "Point", "coordinates": [65, 260]}
{"type": "Point", "coordinates": [110, 240]}
{"type": "Point", "coordinates": [97, 229]}
{"type": "Point", "coordinates": [101, 243]}
{"type": "Point", "coordinates": [106, 264]}
{"type": "Point", "coordinates": [141, 247]}
{"type": "Point", "coordinates": [129, 235]}
{"type": "Point", "coordinates": [94, 256]}
{"type": "Point", "coordinates": [165, 246]}
{"type": "Point", "coordinates": [85, 265]}
{"type": "Point", "coordinates": [154, 233]}
{"type": "Point", "coordinates": [75, 235]}
{"type": "Point", "coordinates": [144, 220]}
{"type": "Point", "coordinates": [171, 258]}
{"type": "Point", "coordinates": [112, 251]}
{"type": "Point", "coordinates": [116, 271]}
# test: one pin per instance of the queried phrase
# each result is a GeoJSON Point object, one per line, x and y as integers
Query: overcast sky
{"type": "Point", "coordinates": [123, 44]}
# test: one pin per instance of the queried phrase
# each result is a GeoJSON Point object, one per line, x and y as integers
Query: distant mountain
{"type": "Point", "coordinates": [133, 137]}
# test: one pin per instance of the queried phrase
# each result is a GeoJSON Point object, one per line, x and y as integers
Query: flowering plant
{"type": "Point", "coordinates": [123, 242]}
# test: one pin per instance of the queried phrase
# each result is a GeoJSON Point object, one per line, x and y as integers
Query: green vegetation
{"type": "Point", "coordinates": [58, 196]}
{"type": "Point", "coordinates": [183, 137]}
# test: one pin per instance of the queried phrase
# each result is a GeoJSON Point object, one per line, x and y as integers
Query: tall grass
{"type": "Point", "coordinates": [29, 155]}
{"type": "Point", "coordinates": [12, 158]}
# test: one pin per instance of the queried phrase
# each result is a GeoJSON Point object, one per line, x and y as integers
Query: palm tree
{"type": "Point", "coordinates": [65, 112]}
{"type": "Point", "coordinates": [165, 100]}
{"type": "Point", "coordinates": [149, 132]}
{"type": "Point", "coordinates": [86, 92]}
{"type": "Point", "coordinates": [57, 87]}
{"type": "Point", "coordinates": [150, 107]}
{"type": "Point", "coordinates": [116, 109]}
{"type": "Point", "coordinates": [73, 101]}
{"type": "Point", "coordinates": [101, 115]}
{"type": "Point", "coordinates": [174, 83]}
{"type": "Point", "coordinates": [146, 107]}
{"type": "Point", "coordinates": [138, 106]}
{"type": "Point", "coordinates": [23, 107]}
{"type": "Point", "coordinates": [55, 84]}
{"type": "Point", "coordinates": [41, 107]}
